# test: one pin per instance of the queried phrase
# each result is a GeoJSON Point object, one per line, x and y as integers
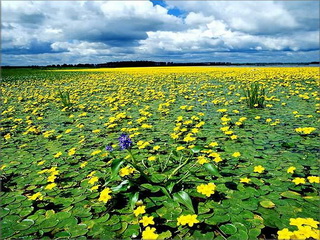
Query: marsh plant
{"type": "Point", "coordinates": [255, 95]}
{"type": "Point", "coordinates": [65, 98]}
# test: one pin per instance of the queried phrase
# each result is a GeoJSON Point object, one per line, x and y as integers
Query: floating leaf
{"type": "Point", "coordinates": [267, 204]}
{"type": "Point", "coordinates": [291, 194]}
{"type": "Point", "coordinates": [212, 169]}
{"type": "Point", "coordinates": [229, 229]}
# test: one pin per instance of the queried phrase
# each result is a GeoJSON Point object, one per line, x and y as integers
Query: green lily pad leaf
{"type": "Point", "coordinates": [78, 230]}
{"type": "Point", "coordinates": [212, 169]}
{"type": "Point", "coordinates": [229, 229]}
{"type": "Point", "coordinates": [196, 149]}
{"type": "Point", "coordinates": [254, 233]}
{"type": "Point", "coordinates": [24, 224]}
{"type": "Point", "coordinates": [291, 194]}
{"type": "Point", "coordinates": [50, 213]}
{"type": "Point", "coordinates": [216, 219]}
{"type": "Point", "coordinates": [184, 198]}
{"type": "Point", "coordinates": [62, 235]}
{"type": "Point", "coordinates": [239, 235]}
{"type": "Point", "coordinates": [113, 220]}
{"type": "Point", "coordinates": [26, 211]}
{"type": "Point", "coordinates": [267, 204]}
{"type": "Point", "coordinates": [62, 215]}
{"type": "Point", "coordinates": [165, 235]}
{"type": "Point", "coordinates": [198, 235]}
{"type": "Point", "coordinates": [7, 232]}
{"type": "Point", "coordinates": [7, 200]}
{"type": "Point", "coordinates": [124, 226]}
{"type": "Point", "coordinates": [49, 223]}
{"type": "Point", "coordinates": [71, 221]}
{"type": "Point", "coordinates": [132, 231]}
{"type": "Point", "coordinates": [4, 212]}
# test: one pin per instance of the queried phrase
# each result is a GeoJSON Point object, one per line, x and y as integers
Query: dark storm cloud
{"type": "Point", "coordinates": [35, 47]}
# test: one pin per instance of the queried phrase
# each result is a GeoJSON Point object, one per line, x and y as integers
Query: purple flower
{"type": "Point", "coordinates": [124, 141]}
{"type": "Point", "coordinates": [109, 148]}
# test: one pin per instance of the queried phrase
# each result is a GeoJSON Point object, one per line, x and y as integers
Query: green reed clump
{"type": "Point", "coordinates": [255, 95]}
{"type": "Point", "coordinates": [65, 98]}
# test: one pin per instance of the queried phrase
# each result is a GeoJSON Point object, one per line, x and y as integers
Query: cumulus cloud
{"type": "Point", "coordinates": [42, 32]}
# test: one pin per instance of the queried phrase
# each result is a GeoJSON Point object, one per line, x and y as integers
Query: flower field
{"type": "Point", "coordinates": [160, 153]}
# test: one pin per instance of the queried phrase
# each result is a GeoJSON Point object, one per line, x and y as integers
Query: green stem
{"type": "Point", "coordinates": [178, 168]}
{"type": "Point", "coordinates": [134, 164]}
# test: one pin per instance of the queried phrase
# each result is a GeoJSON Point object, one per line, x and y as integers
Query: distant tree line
{"type": "Point", "coordinates": [155, 64]}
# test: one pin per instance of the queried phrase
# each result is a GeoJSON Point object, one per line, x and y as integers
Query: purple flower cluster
{"type": "Point", "coordinates": [124, 141]}
{"type": "Point", "coordinates": [109, 148]}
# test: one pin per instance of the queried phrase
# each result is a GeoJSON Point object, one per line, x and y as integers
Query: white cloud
{"type": "Point", "coordinates": [104, 31]}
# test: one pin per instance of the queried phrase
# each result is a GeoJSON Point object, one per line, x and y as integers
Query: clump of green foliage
{"type": "Point", "coordinates": [65, 98]}
{"type": "Point", "coordinates": [255, 95]}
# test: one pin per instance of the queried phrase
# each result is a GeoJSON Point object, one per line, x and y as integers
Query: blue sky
{"type": "Point", "coordinates": [57, 32]}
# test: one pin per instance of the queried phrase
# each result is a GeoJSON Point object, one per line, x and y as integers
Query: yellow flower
{"type": "Point", "coordinates": [217, 159]}
{"type": "Point", "coordinates": [305, 130]}
{"type": "Point", "coordinates": [206, 189]}
{"type": "Point", "coordinates": [7, 136]}
{"type": "Point", "coordinates": [50, 186]}
{"type": "Point", "coordinates": [72, 151]}
{"type": "Point", "coordinates": [68, 130]}
{"type": "Point", "coordinates": [91, 174]}
{"type": "Point", "coordinates": [245, 180]}
{"type": "Point", "coordinates": [156, 148]}
{"type": "Point", "coordinates": [51, 178]}
{"type": "Point", "coordinates": [213, 144]}
{"type": "Point", "coordinates": [36, 196]}
{"type": "Point", "coordinates": [291, 169]}
{"type": "Point", "coordinates": [41, 163]}
{"type": "Point", "coordinates": [187, 219]}
{"type": "Point", "coordinates": [202, 160]}
{"type": "Point", "coordinates": [284, 234]}
{"type": "Point", "coordinates": [311, 222]}
{"type": "Point", "coordinates": [236, 154]}
{"type": "Point", "coordinates": [96, 131]}
{"type": "Point", "coordinates": [152, 158]}
{"type": "Point", "coordinates": [139, 210]}
{"type": "Point", "coordinates": [94, 187]}
{"type": "Point", "coordinates": [96, 152]}
{"type": "Point", "coordinates": [149, 234]}
{"type": "Point", "coordinates": [93, 180]}
{"type": "Point", "coordinates": [58, 154]}
{"type": "Point", "coordinates": [82, 165]}
{"type": "Point", "coordinates": [234, 137]}
{"type": "Point", "coordinates": [146, 221]}
{"type": "Point", "coordinates": [258, 169]}
{"type": "Point", "coordinates": [3, 166]}
{"type": "Point", "coordinates": [313, 179]}
{"type": "Point", "coordinates": [268, 120]}
{"type": "Point", "coordinates": [296, 221]}
{"type": "Point", "coordinates": [189, 138]}
{"type": "Point", "coordinates": [306, 231]}
{"type": "Point", "coordinates": [126, 171]}
{"type": "Point", "coordinates": [180, 148]}
{"type": "Point", "coordinates": [104, 195]}
{"type": "Point", "coordinates": [257, 117]}
{"type": "Point", "coordinates": [298, 181]}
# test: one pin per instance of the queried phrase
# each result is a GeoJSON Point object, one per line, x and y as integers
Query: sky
{"type": "Point", "coordinates": [72, 32]}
